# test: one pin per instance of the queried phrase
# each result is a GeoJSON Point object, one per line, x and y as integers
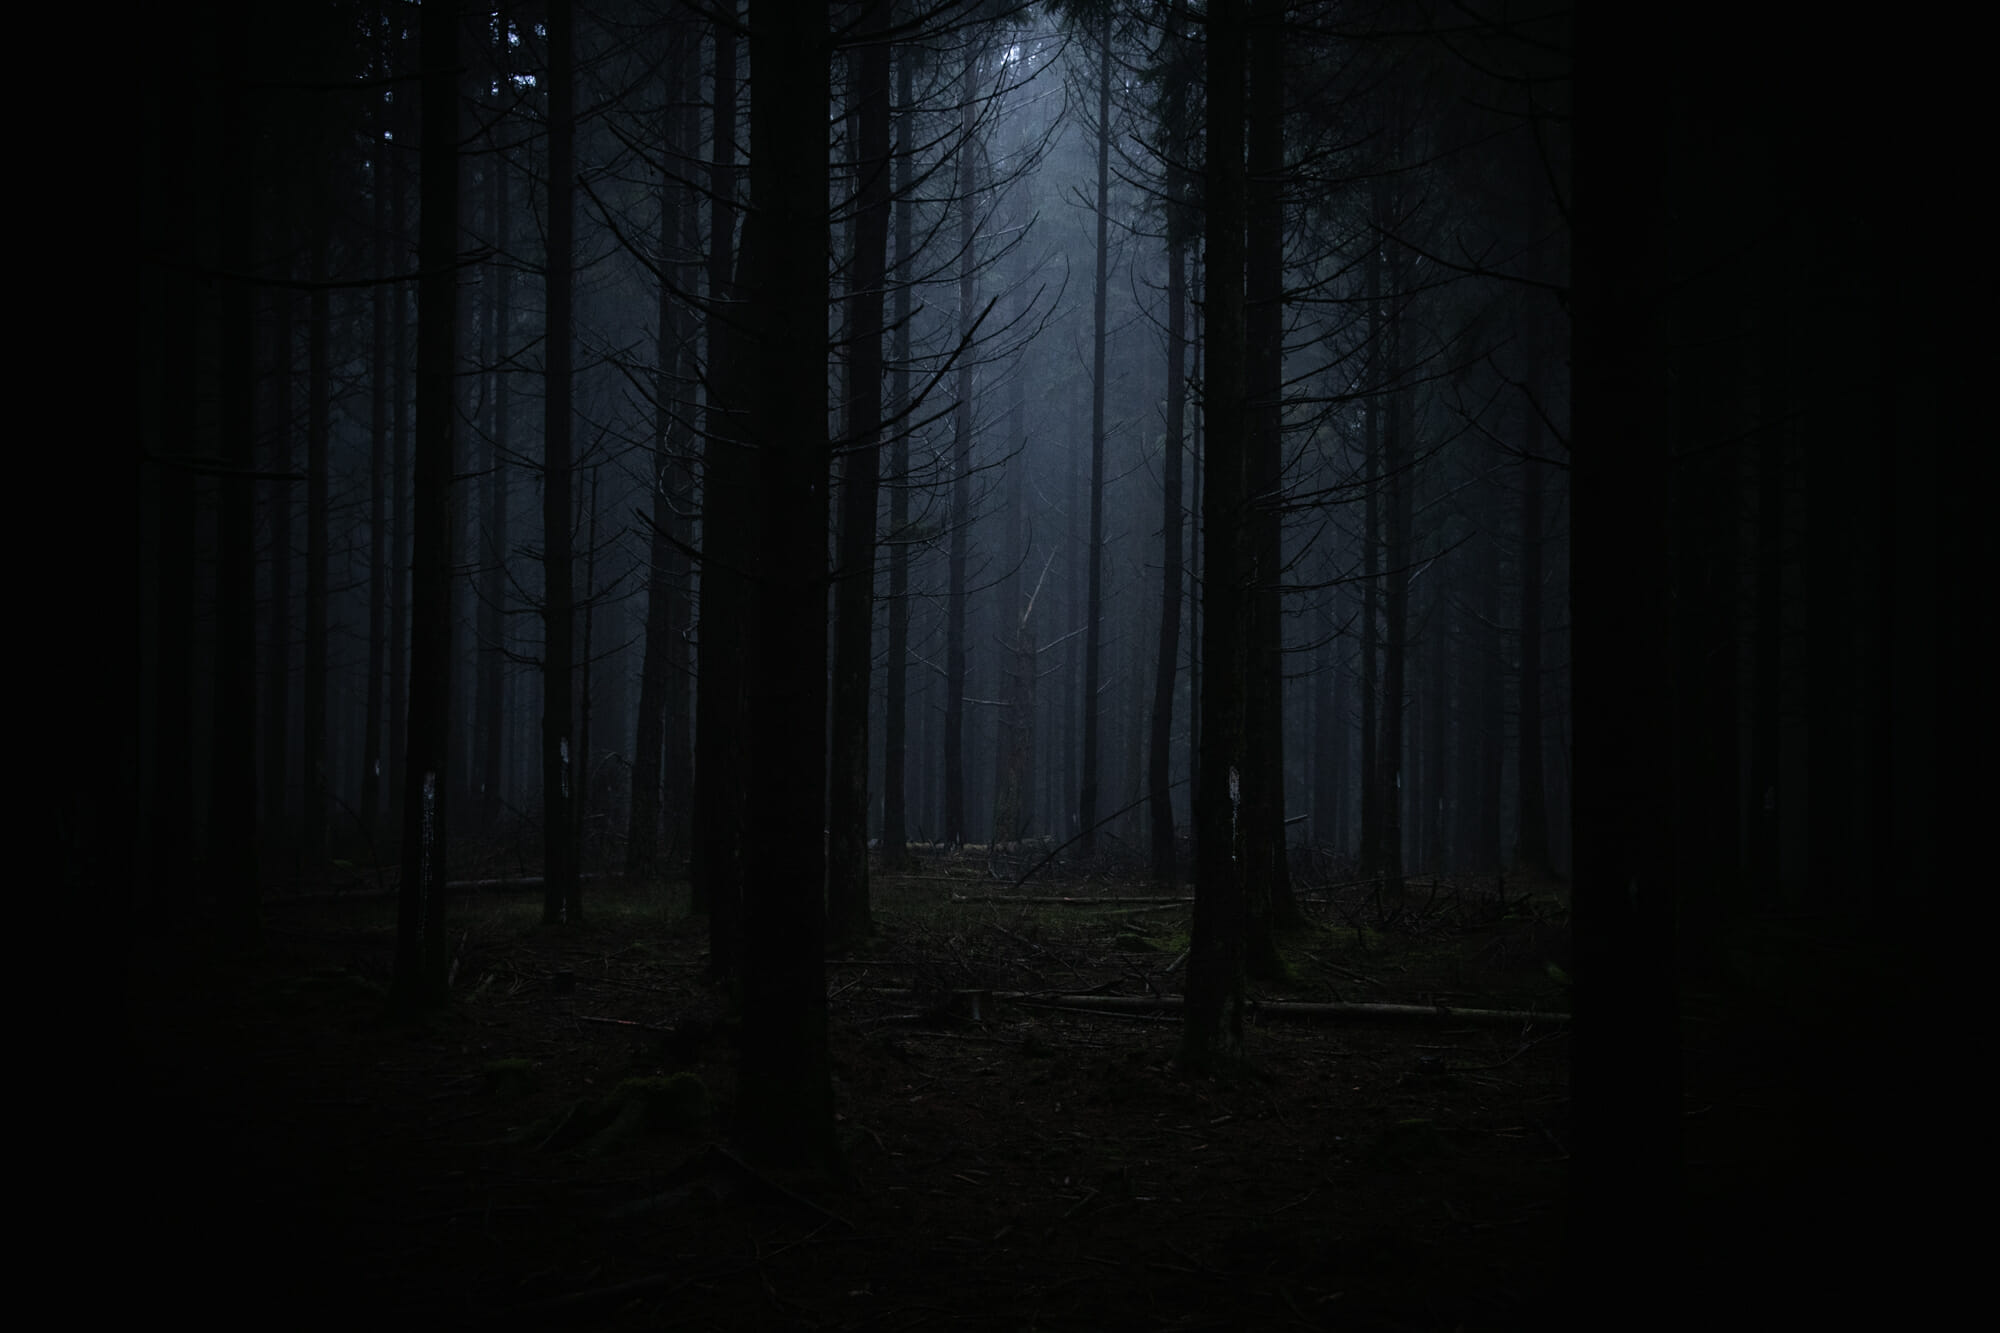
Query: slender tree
{"type": "Point", "coordinates": [961, 463]}
{"type": "Point", "coordinates": [381, 379]}
{"type": "Point", "coordinates": [848, 919]}
{"type": "Point", "coordinates": [319, 406]}
{"type": "Point", "coordinates": [1086, 801]}
{"type": "Point", "coordinates": [731, 521]}
{"type": "Point", "coordinates": [559, 891]}
{"type": "Point", "coordinates": [491, 687]}
{"type": "Point", "coordinates": [665, 569]}
{"type": "Point", "coordinates": [278, 618]}
{"type": "Point", "coordinates": [1531, 844]}
{"type": "Point", "coordinates": [421, 979]}
{"type": "Point", "coordinates": [1159, 774]}
{"type": "Point", "coordinates": [895, 722]}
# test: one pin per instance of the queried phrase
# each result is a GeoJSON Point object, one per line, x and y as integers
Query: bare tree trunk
{"type": "Point", "coordinates": [559, 899]}
{"type": "Point", "coordinates": [895, 729]}
{"type": "Point", "coordinates": [1267, 870]}
{"type": "Point", "coordinates": [1086, 801]}
{"type": "Point", "coordinates": [381, 377]}
{"type": "Point", "coordinates": [278, 621]}
{"type": "Point", "coordinates": [961, 481]}
{"type": "Point", "coordinates": [729, 526]}
{"type": "Point", "coordinates": [848, 920]}
{"type": "Point", "coordinates": [490, 682]}
{"type": "Point", "coordinates": [171, 795]}
{"type": "Point", "coordinates": [420, 979]}
{"type": "Point", "coordinates": [232, 808]}
{"type": "Point", "coordinates": [784, 1080]}
{"type": "Point", "coordinates": [1166, 664]}
{"type": "Point", "coordinates": [1395, 612]}
{"type": "Point", "coordinates": [657, 682]}
{"type": "Point", "coordinates": [1371, 563]}
{"type": "Point", "coordinates": [1212, 1027]}
{"type": "Point", "coordinates": [312, 827]}
{"type": "Point", "coordinates": [1531, 847]}
{"type": "Point", "coordinates": [399, 507]}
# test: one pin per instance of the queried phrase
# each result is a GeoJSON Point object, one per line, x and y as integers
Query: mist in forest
{"type": "Point", "coordinates": [757, 457]}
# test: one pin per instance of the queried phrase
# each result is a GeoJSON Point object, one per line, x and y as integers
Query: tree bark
{"type": "Point", "coordinates": [490, 687]}
{"type": "Point", "coordinates": [559, 903]}
{"type": "Point", "coordinates": [848, 920]}
{"type": "Point", "coordinates": [1398, 455]}
{"type": "Point", "coordinates": [232, 809]}
{"type": "Point", "coordinates": [1212, 1027]}
{"type": "Point", "coordinates": [895, 726]}
{"type": "Point", "coordinates": [664, 570]}
{"type": "Point", "coordinates": [381, 378]}
{"type": "Point", "coordinates": [1172, 520]}
{"type": "Point", "coordinates": [1267, 869]}
{"type": "Point", "coordinates": [1371, 562]}
{"type": "Point", "coordinates": [420, 978]}
{"type": "Point", "coordinates": [730, 520]}
{"type": "Point", "coordinates": [1086, 801]}
{"type": "Point", "coordinates": [1626, 1071]}
{"type": "Point", "coordinates": [784, 1080]}
{"type": "Point", "coordinates": [278, 621]}
{"type": "Point", "coordinates": [1531, 848]}
{"type": "Point", "coordinates": [961, 479]}
{"type": "Point", "coordinates": [313, 819]}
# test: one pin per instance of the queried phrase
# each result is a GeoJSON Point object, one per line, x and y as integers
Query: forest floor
{"type": "Point", "coordinates": [1017, 1162]}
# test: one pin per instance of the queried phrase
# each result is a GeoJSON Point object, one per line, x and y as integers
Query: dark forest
{"type": "Point", "coordinates": [945, 662]}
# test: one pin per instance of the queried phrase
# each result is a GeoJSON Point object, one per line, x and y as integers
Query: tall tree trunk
{"type": "Point", "coordinates": [1267, 869]}
{"type": "Point", "coordinates": [657, 671]}
{"type": "Point", "coordinates": [1531, 848]}
{"type": "Point", "coordinates": [581, 796]}
{"type": "Point", "coordinates": [1166, 664]}
{"type": "Point", "coordinates": [381, 378]}
{"type": "Point", "coordinates": [1398, 455]}
{"type": "Point", "coordinates": [559, 893]}
{"type": "Point", "coordinates": [1329, 755]}
{"type": "Point", "coordinates": [848, 920]}
{"type": "Point", "coordinates": [312, 827]}
{"type": "Point", "coordinates": [1086, 801]}
{"type": "Point", "coordinates": [399, 497]}
{"type": "Point", "coordinates": [1767, 685]}
{"type": "Point", "coordinates": [1626, 1075]}
{"type": "Point", "coordinates": [420, 979]}
{"type": "Point", "coordinates": [1371, 561]}
{"type": "Point", "coordinates": [895, 724]}
{"type": "Point", "coordinates": [784, 1080]}
{"type": "Point", "coordinates": [171, 796]}
{"type": "Point", "coordinates": [1014, 754]}
{"type": "Point", "coordinates": [1437, 719]}
{"type": "Point", "coordinates": [491, 707]}
{"type": "Point", "coordinates": [961, 480]}
{"type": "Point", "coordinates": [232, 808]}
{"type": "Point", "coordinates": [730, 519]}
{"type": "Point", "coordinates": [1492, 715]}
{"type": "Point", "coordinates": [278, 622]}
{"type": "Point", "coordinates": [1212, 1020]}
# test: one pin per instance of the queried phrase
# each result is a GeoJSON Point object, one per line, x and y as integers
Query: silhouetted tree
{"type": "Point", "coordinates": [559, 886]}
{"type": "Point", "coordinates": [784, 1080]}
{"type": "Point", "coordinates": [420, 975]}
{"type": "Point", "coordinates": [848, 919]}
{"type": "Point", "coordinates": [1212, 1027]}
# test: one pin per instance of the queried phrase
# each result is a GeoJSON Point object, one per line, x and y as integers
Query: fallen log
{"type": "Point", "coordinates": [1299, 1010]}
{"type": "Point", "coordinates": [1002, 899]}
